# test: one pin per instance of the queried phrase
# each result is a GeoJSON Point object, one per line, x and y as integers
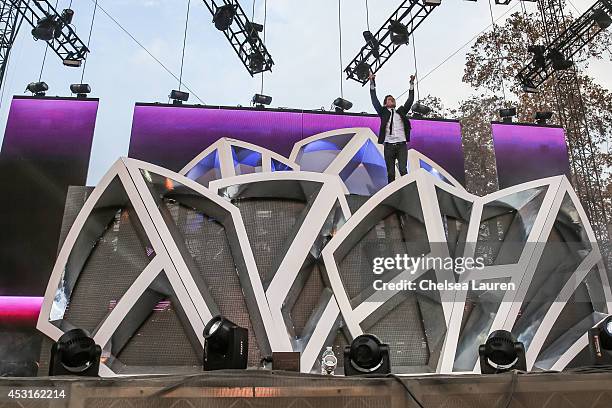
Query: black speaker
{"type": "Point", "coordinates": [226, 345]}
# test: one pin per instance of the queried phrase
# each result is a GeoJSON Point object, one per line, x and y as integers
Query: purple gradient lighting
{"type": "Point", "coordinates": [19, 310]}
{"type": "Point", "coordinates": [528, 152]}
{"type": "Point", "coordinates": [170, 136]}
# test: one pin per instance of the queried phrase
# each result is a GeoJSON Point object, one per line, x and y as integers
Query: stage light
{"type": "Point", "coordinates": [81, 90]}
{"type": "Point", "coordinates": [501, 352]}
{"type": "Point", "coordinates": [420, 110]}
{"type": "Point", "coordinates": [372, 43]}
{"type": "Point", "coordinates": [342, 105]}
{"type": "Point", "coordinates": [178, 97]}
{"type": "Point", "coordinates": [37, 88]}
{"type": "Point", "coordinates": [75, 353]}
{"type": "Point", "coordinates": [67, 15]}
{"type": "Point", "coordinates": [256, 61]}
{"type": "Point", "coordinates": [74, 63]}
{"type": "Point", "coordinates": [226, 345]}
{"type": "Point", "coordinates": [45, 29]}
{"type": "Point", "coordinates": [363, 70]}
{"type": "Point", "coordinates": [559, 62]}
{"type": "Point", "coordinates": [261, 100]}
{"type": "Point", "coordinates": [542, 117]}
{"type": "Point", "coordinates": [366, 355]}
{"type": "Point", "coordinates": [529, 86]}
{"type": "Point", "coordinates": [224, 17]}
{"type": "Point", "coordinates": [507, 114]}
{"type": "Point", "coordinates": [253, 30]}
{"type": "Point", "coordinates": [602, 19]}
{"type": "Point", "coordinates": [538, 55]}
{"type": "Point", "coordinates": [399, 33]}
{"type": "Point", "coordinates": [600, 342]}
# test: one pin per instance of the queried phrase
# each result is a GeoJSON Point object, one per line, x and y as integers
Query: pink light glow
{"type": "Point", "coordinates": [19, 310]}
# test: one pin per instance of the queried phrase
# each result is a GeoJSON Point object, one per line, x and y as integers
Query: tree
{"type": "Point", "coordinates": [492, 65]}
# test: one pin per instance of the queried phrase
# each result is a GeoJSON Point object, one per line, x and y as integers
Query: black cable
{"type": "Point", "coordinates": [462, 47]}
{"type": "Point", "coordinates": [184, 43]}
{"type": "Point", "coordinates": [42, 66]}
{"type": "Point", "coordinates": [367, 15]}
{"type": "Point", "coordinates": [512, 389]}
{"type": "Point", "coordinates": [498, 51]}
{"type": "Point", "coordinates": [93, 19]}
{"type": "Point", "coordinates": [406, 388]}
{"type": "Point", "coordinates": [264, 39]}
{"type": "Point", "coordinates": [144, 48]}
{"type": "Point", "coordinates": [416, 68]}
{"type": "Point", "coordinates": [340, 48]}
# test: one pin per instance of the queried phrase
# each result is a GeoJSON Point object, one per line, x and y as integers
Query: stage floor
{"type": "Point", "coordinates": [290, 390]}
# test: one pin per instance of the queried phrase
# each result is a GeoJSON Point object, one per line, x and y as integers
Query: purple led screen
{"type": "Point", "coordinates": [528, 152]}
{"type": "Point", "coordinates": [46, 148]}
{"type": "Point", "coordinates": [171, 136]}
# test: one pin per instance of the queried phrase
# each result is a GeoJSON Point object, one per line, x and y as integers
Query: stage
{"type": "Point", "coordinates": [258, 388]}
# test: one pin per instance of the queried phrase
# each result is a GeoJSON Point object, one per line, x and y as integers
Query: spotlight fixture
{"type": "Point", "coordinates": [420, 110]}
{"type": "Point", "coordinates": [559, 62]}
{"type": "Point", "coordinates": [67, 15]}
{"type": "Point", "coordinates": [372, 42]}
{"type": "Point", "coordinates": [260, 100]}
{"type": "Point", "coordinates": [178, 97]}
{"type": "Point", "coordinates": [602, 19]}
{"type": "Point", "coordinates": [256, 61]}
{"type": "Point", "coordinates": [541, 118]}
{"type": "Point", "coordinates": [529, 86]}
{"type": "Point", "coordinates": [226, 345]}
{"type": "Point", "coordinates": [253, 30]}
{"type": "Point", "coordinates": [399, 33]}
{"type": "Point", "coordinates": [501, 352]}
{"type": "Point", "coordinates": [329, 361]}
{"type": "Point", "coordinates": [363, 70]}
{"type": "Point", "coordinates": [70, 62]}
{"type": "Point", "coordinates": [224, 17]}
{"type": "Point", "coordinates": [600, 342]}
{"type": "Point", "coordinates": [81, 90]}
{"type": "Point", "coordinates": [507, 114]}
{"type": "Point", "coordinates": [75, 353]}
{"type": "Point", "coordinates": [538, 55]}
{"type": "Point", "coordinates": [366, 355]}
{"type": "Point", "coordinates": [45, 29]}
{"type": "Point", "coordinates": [342, 105]}
{"type": "Point", "coordinates": [37, 88]}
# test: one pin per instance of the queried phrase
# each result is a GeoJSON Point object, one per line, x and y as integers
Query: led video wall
{"type": "Point", "coordinates": [528, 152]}
{"type": "Point", "coordinates": [170, 136]}
{"type": "Point", "coordinates": [46, 148]}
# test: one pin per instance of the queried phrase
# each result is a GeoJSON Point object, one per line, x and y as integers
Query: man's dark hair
{"type": "Point", "coordinates": [387, 97]}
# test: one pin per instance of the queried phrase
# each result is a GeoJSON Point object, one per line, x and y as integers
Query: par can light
{"type": "Point", "coordinates": [226, 345]}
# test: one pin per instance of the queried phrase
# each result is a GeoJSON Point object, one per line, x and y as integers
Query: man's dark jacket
{"type": "Point", "coordinates": [385, 114]}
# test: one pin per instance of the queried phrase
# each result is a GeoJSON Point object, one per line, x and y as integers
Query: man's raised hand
{"type": "Point", "coordinates": [412, 79]}
{"type": "Point", "coordinates": [372, 76]}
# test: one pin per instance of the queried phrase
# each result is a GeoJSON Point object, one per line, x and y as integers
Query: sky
{"type": "Point", "coordinates": [302, 37]}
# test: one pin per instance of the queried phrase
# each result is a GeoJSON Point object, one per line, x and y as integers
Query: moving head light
{"type": "Point", "coordinates": [226, 345]}
{"type": "Point", "coordinates": [501, 352]}
{"type": "Point", "coordinates": [75, 353]}
{"type": "Point", "coordinates": [366, 355]}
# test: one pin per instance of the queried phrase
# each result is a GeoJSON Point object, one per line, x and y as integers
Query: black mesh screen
{"type": "Point", "coordinates": [307, 300]}
{"type": "Point", "coordinates": [116, 261]}
{"type": "Point", "coordinates": [270, 224]}
{"type": "Point", "coordinates": [207, 243]}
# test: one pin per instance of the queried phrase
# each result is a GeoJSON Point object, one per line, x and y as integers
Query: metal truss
{"type": "Point", "coordinates": [244, 39]}
{"type": "Point", "coordinates": [411, 13]}
{"type": "Point", "coordinates": [569, 42]}
{"type": "Point", "coordinates": [10, 21]}
{"type": "Point", "coordinates": [572, 116]}
{"type": "Point", "coordinates": [68, 46]}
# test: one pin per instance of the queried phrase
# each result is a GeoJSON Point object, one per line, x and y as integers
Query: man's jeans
{"type": "Point", "coordinates": [393, 152]}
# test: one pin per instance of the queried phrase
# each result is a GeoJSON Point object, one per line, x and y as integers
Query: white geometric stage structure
{"type": "Point", "coordinates": [230, 157]}
{"type": "Point", "coordinates": [153, 255]}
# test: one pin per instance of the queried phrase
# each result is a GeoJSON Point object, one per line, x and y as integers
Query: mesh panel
{"type": "Point", "coordinates": [402, 328]}
{"type": "Point", "coordinates": [112, 267]}
{"type": "Point", "coordinates": [270, 224]}
{"type": "Point", "coordinates": [307, 300]}
{"type": "Point", "coordinates": [160, 341]}
{"type": "Point", "coordinates": [207, 243]}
